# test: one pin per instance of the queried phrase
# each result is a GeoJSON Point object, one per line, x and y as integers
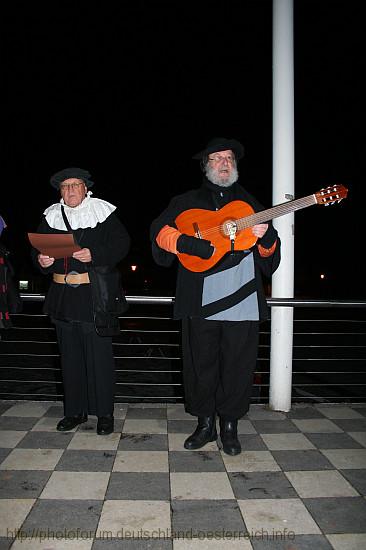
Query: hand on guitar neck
{"type": "Point", "coordinates": [259, 230]}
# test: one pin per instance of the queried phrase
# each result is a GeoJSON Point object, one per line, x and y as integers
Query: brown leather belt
{"type": "Point", "coordinates": [71, 279]}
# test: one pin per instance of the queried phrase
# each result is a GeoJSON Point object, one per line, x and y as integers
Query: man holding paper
{"type": "Point", "coordinates": [85, 297]}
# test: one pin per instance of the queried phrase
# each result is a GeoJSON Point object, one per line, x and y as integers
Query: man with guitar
{"type": "Point", "coordinates": [219, 293]}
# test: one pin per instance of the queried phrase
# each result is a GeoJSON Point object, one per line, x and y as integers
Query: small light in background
{"type": "Point", "coordinates": [322, 276]}
{"type": "Point", "coordinates": [23, 285]}
{"type": "Point", "coordinates": [133, 267]}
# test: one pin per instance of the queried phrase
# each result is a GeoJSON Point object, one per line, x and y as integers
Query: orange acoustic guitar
{"type": "Point", "coordinates": [229, 228]}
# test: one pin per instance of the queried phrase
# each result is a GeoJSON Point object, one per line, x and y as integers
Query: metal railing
{"type": "Point", "coordinates": [329, 359]}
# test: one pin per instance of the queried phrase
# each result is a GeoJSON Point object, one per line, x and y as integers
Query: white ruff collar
{"type": "Point", "coordinates": [87, 214]}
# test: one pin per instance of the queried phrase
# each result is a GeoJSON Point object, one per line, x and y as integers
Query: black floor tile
{"type": "Point", "coordinates": [4, 453]}
{"type": "Point", "coordinates": [146, 413]}
{"type": "Point", "coordinates": [63, 516]}
{"type": "Point", "coordinates": [119, 544]}
{"type": "Point", "coordinates": [333, 441]}
{"type": "Point", "coordinates": [252, 442]}
{"type": "Point", "coordinates": [55, 411]}
{"type": "Point", "coordinates": [338, 515]}
{"type": "Point", "coordinates": [351, 424]}
{"type": "Point", "coordinates": [17, 423]}
{"type": "Point", "coordinates": [22, 483]}
{"type": "Point", "coordinates": [274, 426]}
{"type": "Point", "coordinates": [205, 517]}
{"type": "Point", "coordinates": [196, 461]}
{"type": "Point", "coordinates": [302, 460]}
{"type": "Point", "coordinates": [357, 478]}
{"type": "Point", "coordinates": [247, 485]}
{"type": "Point", "coordinates": [298, 542]}
{"type": "Point", "coordinates": [86, 461]}
{"type": "Point", "coordinates": [182, 426]}
{"type": "Point", "coordinates": [5, 543]}
{"type": "Point", "coordinates": [143, 442]}
{"type": "Point", "coordinates": [138, 486]}
{"type": "Point", "coordinates": [5, 405]}
{"type": "Point", "coordinates": [45, 440]}
{"type": "Point", "coordinates": [303, 413]}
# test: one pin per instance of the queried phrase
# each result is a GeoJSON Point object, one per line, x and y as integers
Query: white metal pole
{"type": "Point", "coordinates": [283, 189]}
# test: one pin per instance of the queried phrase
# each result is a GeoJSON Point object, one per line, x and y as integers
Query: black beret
{"type": "Point", "coordinates": [221, 144]}
{"type": "Point", "coordinates": [67, 173]}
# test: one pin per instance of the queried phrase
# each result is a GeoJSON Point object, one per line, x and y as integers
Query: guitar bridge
{"type": "Point", "coordinates": [197, 231]}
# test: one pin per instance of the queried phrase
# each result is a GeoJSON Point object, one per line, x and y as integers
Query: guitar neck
{"type": "Point", "coordinates": [275, 212]}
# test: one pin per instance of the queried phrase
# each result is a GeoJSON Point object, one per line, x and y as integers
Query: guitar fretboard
{"type": "Point", "coordinates": [275, 212]}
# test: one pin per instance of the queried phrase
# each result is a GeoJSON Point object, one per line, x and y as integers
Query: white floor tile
{"type": "Point", "coordinates": [31, 459]}
{"type": "Point", "coordinates": [282, 515]}
{"type": "Point", "coordinates": [202, 485]}
{"type": "Point", "coordinates": [263, 413]}
{"type": "Point", "coordinates": [360, 437]}
{"type": "Point", "coordinates": [322, 483]}
{"type": "Point", "coordinates": [120, 411]}
{"type": "Point", "coordinates": [344, 459]}
{"type": "Point", "coordinates": [287, 442]}
{"type": "Point", "coordinates": [95, 442]}
{"type": "Point", "coordinates": [317, 425]}
{"type": "Point", "coordinates": [76, 485]}
{"type": "Point", "coordinates": [349, 541]}
{"type": "Point", "coordinates": [177, 412]}
{"type": "Point", "coordinates": [141, 461]}
{"type": "Point", "coordinates": [12, 514]}
{"type": "Point", "coordinates": [339, 412]}
{"type": "Point", "coordinates": [10, 438]}
{"type": "Point", "coordinates": [176, 442]}
{"type": "Point", "coordinates": [47, 424]}
{"type": "Point", "coordinates": [145, 426]}
{"type": "Point", "coordinates": [251, 461]}
{"type": "Point", "coordinates": [131, 518]}
{"type": "Point", "coordinates": [211, 544]}
{"type": "Point", "coordinates": [52, 544]}
{"type": "Point", "coordinates": [246, 427]}
{"type": "Point", "coordinates": [27, 409]}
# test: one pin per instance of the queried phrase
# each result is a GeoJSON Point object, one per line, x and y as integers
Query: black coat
{"type": "Point", "coordinates": [189, 284]}
{"type": "Point", "coordinates": [109, 243]}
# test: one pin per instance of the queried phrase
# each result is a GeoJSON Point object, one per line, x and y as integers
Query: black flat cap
{"type": "Point", "coordinates": [221, 144]}
{"type": "Point", "coordinates": [67, 173]}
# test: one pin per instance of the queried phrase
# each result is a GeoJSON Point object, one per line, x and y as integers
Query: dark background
{"type": "Point", "coordinates": [130, 91]}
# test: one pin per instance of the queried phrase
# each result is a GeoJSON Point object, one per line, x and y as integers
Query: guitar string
{"type": "Point", "coordinates": [247, 221]}
{"type": "Point", "coordinates": [330, 196]}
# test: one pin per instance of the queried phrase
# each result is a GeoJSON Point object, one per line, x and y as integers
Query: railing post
{"type": "Point", "coordinates": [283, 189]}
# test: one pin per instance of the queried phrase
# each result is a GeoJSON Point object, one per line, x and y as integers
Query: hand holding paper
{"type": "Point", "coordinates": [83, 255]}
{"type": "Point", "coordinates": [55, 246]}
{"type": "Point", "coordinates": [45, 261]}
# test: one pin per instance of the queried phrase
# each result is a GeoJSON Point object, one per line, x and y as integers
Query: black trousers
{"type": "Point", "coordinates": [219, 359]}
{"type": "Point", "coordinates": [87, 369]}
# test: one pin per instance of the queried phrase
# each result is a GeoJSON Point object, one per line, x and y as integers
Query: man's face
{"type": "Point", "coordinates": [73, 191]}
{"type": "Point", "coordinates": [221, 168]}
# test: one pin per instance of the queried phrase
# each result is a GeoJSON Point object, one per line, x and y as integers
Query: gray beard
{"type": "Point", "coordinates": [213, 177]}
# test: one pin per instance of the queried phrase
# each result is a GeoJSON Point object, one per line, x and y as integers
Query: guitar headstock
{"type": "Point", "coordinates": [330, 195]}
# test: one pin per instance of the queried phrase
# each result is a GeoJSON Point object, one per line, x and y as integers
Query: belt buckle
{"type": "Point", "coordinates": [75, 285]}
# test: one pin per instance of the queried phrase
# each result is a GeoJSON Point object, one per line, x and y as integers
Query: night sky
{"type": "Point", "coordinates": [130, 91]}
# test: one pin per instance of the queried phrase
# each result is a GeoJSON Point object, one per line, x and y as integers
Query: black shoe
{"type": "Point", "coordinates": [229, 437]}
{"type": "Point", "coordinates": [70, 422]}
{"type": "Point", "coordinates": [105, 425]}
{"type": "Point", "coordinates": [204, 433]}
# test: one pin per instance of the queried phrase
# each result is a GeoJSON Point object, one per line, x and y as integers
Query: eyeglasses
{"type": "Point", "coordinates": [68, 186]}
{"type": "Point", "coordinates": [219, 158]}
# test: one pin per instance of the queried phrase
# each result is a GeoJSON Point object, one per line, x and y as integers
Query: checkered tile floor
{"type": "Point", "coordinates": [299, 483]}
